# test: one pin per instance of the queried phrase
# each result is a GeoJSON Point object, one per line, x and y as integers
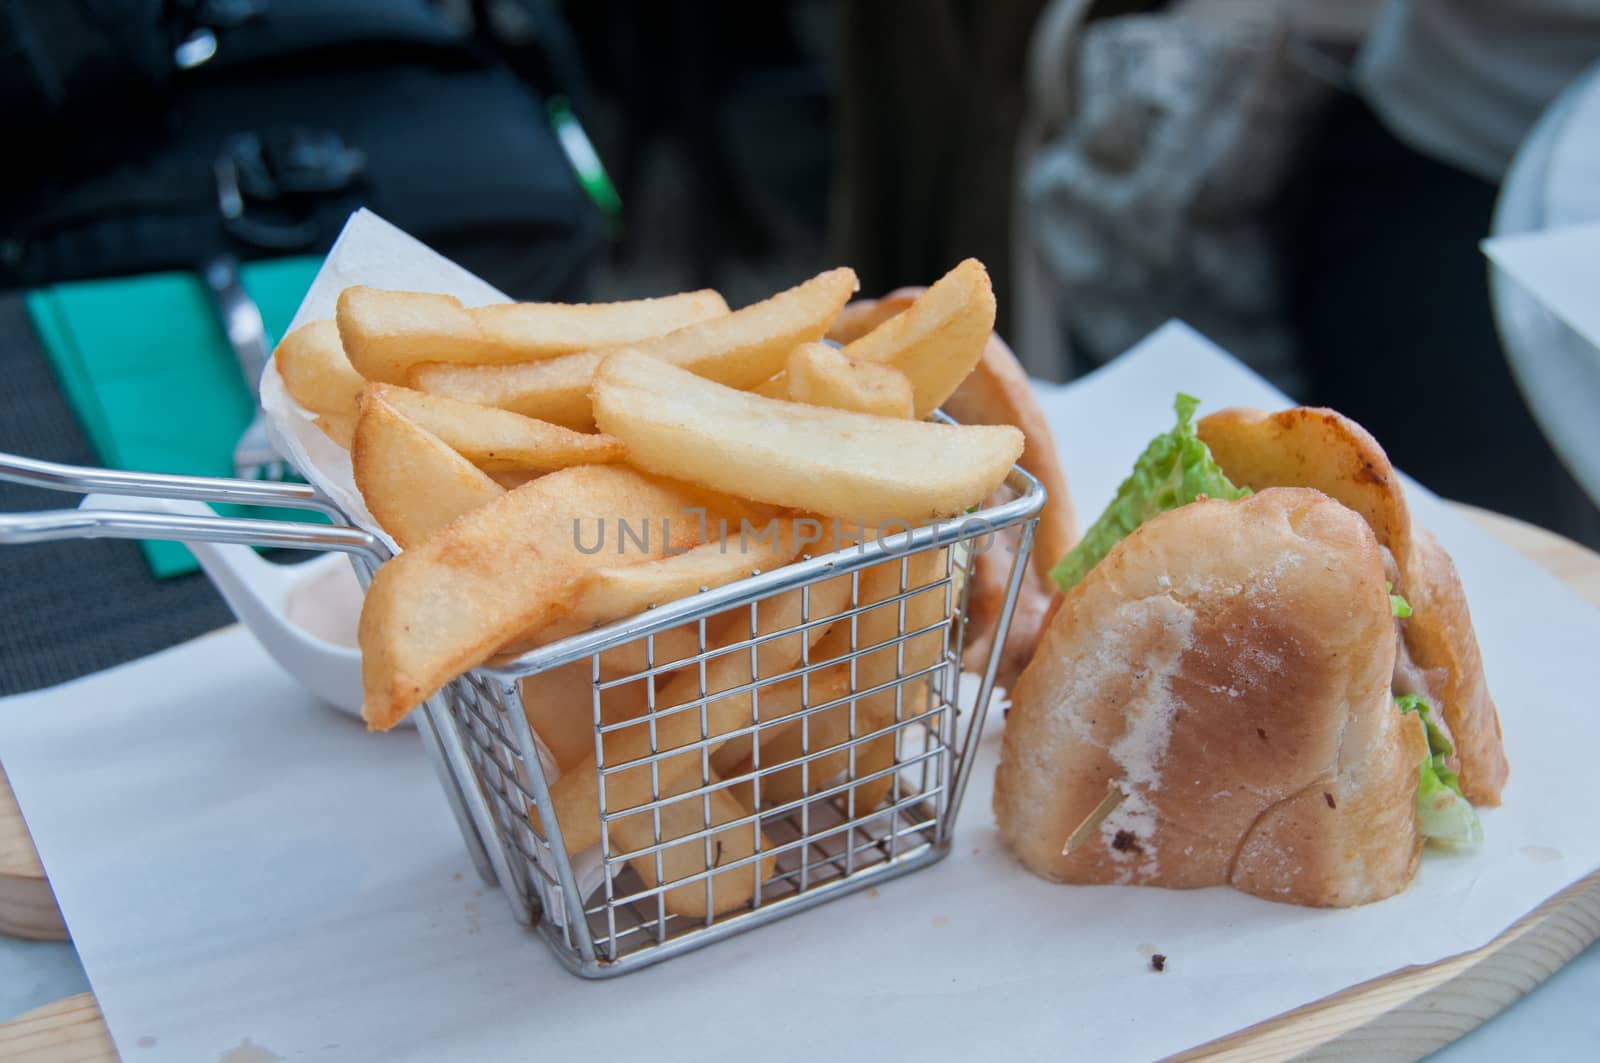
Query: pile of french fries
{"type": "Point", "coordinates": [549, 468]}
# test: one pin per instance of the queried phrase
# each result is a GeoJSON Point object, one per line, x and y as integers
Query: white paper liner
{"type": "Point", "coordinates": [372, 252]}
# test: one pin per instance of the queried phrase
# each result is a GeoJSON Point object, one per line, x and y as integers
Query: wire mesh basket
{"type": "Point", "coordinates": [731, 757]}
{"type": "Point", "coordinates": [785, 739]}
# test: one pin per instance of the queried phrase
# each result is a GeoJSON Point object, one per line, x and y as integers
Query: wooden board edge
{"type": "Point", "coordinates": [27, 905]}
{"type": "Point", "coordinates": [1407, 1014]}
{"type": "Point", "coordinates": [68, 1031]}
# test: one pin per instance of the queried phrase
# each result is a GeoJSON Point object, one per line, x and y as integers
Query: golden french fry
{"type": "Point", "coordinates": [783, 700]}
{"type": "Point", "coordinates": [740, 349]}
{"type": "Point", "coordinates": [878, 627]}
{"type": "Point", "coordinates": [776, 387]}
{"type": "Point", "coordinates": [528, 331]}
{"type": "Point", "coordinates": [861, 316]}
{"type": "Point", "coordinates": [939, 338]}
{"type": "Point", "coordinates": [554, 390]}
{"type": "Point", "coordinates": [820, 375]}
{"type": "Point", "coordinates": [413, 483]}
{"type": "Point", "coordinates": [449, 603]}
{"type": "Point", "coordinates": [615, 592]}
{"type": "Point", "coordinates": [559, 705]}
{"type": "Point", "coordinates": [852, 466]}
{"type": "Point", "coordinates": [316, 373]}
{"type": "Point", "coordinates": [575, 795]}
{"type": "Point", "coordinates": [498, 440]}
{"type": "Point", "coordinates": [729, 889]}
{"type": "Point", "coordinates": [511, 479]}
{"type": "Point", "coordinates": [341, 430]}
{"type": "Point", "coordinates": [831, 730]}
{"type": "Point", "coordinates": [385, 333]}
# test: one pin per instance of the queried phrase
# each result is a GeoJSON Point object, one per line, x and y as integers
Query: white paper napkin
{"type": "Point", "coordinates": [237, 863]}
{"type": "Point", "coordinates": [1558, 267]}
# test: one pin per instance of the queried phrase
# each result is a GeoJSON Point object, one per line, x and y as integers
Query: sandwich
{"type": "Point", "coordinates": [1260, 674]}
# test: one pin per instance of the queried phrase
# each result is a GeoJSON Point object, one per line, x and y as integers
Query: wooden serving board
{"type": "Point", "coordinates": [1400, 1017]}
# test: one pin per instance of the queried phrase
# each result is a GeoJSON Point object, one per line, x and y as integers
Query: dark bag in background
{"type": "Point", "coordinates": [293, 113]}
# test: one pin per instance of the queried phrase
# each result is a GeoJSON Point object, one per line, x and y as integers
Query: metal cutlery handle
{"type": "Point", "coordinates": [241, 319]}
{"type": "Point", "coordinates": [85, 480]}
{"type": "Point", "coordinates": [57, 524]}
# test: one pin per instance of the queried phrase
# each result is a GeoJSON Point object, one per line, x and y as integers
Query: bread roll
{"type": "Point", "coordinates": [1323, 449]}
{"type": "Point", "coordinates": [1228, 667]}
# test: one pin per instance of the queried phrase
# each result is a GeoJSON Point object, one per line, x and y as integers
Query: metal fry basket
{"type": "Point", "coordinates": [731, 758]}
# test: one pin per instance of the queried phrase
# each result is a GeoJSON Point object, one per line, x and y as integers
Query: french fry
{"type": "Point", "coordinates": [783, 700]}
{"type": "Point", "coordinates": [528, 331]}
{"type": "Point", "coordinates": [498, 440]}
{"type": "Point", "coordinates": [555, 390]}
{"type": "Point", "coordinates": [317, 374]}
{"type": "Point", "coordinates": [340, 429]}
{"type": "Point", "coordinates": [615, 592]}
{"type": "Point", "coordinates": [559, 705]}
{"type": "Point", "coordinates": [413, 483]}
{"type": "Point", "coordinates": [385, 333]}
{"type": "Point", "coordinates": [729, 889]}
{"type": "Point", "coordinates": [776, 387]}
{"type": "Point", "coordinates": [938, 339]}
{"type": "Point", "coordinates": [513, 479]}
{"type": "Point", "coordinates": [740, 349]}
{"type": "Point", "coordinates": [847, 465]}
{"type": "Point", "coordinates": [820, 375]}
{"type": "Point", "coordinates": [448, 604]}
{"type": "Point", "coordinates": [878, 627]}
{"type": "Point", "coordinates": [861, 316]}
{"type": "Point", "coordinates": [575, 795]}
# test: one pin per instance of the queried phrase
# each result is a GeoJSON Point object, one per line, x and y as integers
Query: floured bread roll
{"type": "Point", "coordinates": [1227, 668]}
{"type": "Point", "coordinates": [1439, 658]}
{"type": "Point", "coordinates": [1279, 691]}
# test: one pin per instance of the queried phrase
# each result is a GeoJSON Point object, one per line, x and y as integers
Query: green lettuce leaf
{"type": "Point", "coordinates": [1445, 815]}
{"type": "Point", "coordinates": [1398, 606]}
{"type": "Point", "coordinates": [1174, 470]}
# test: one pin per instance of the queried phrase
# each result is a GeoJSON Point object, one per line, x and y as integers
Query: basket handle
{"type": "Point", "coordinates": [53, 525]}
{"type": "Point", "coordinates": [84, 480]}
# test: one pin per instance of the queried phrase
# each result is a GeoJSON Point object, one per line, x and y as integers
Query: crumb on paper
{"type": "Point", "coordinates": [941, 921]}
{"type": "Point", "coordinates": [1158, 963]}
{"type": "Point", "coordinates": [872, 891]}
{"type": "Point", "coordinates": [1125, 841]}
